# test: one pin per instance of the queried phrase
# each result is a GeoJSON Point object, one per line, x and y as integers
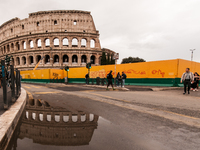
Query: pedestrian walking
{"type": "Point", "coordinates": [187, 78]}
{"type": "Point", "coordinates": [119, 79]}
{"type": "Point", "coordinates": [194, 85]}
{"type": "Point", "coordinates": [123, 79]}
{"type": "Point", "coordinates": [109, 78]}
{"type": "Point", "coordinates": [87, 78]}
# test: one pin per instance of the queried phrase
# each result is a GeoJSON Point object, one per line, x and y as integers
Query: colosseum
{"type": "Point", "coordinates": [57, 38]}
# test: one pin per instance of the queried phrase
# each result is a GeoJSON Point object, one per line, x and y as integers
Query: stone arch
{"type": "Point", "coordinates": [17, 61]}
{"type": "Point", "coordinates": [39, 43]}
{"type": "Point", "coordinates": [65, 59]}
{"type": "Point", "coordinates": [23, 60]}
{"type": "Point", "coordinates": [92, 43]}
{"type": "Point", "coordinates": [8, 48]}
{"type": "Point", "coordinates": [65, 42]}
{"type": "Point", "coordinates": [17, 46]}
{"type": "Point", "coordinates": [56, 42]}
{"type": "Point", "coordinates": [47, 42]}
{"type": "Point", "coordinates": [4, 49]}
{"type": "Point", "coordinates": [83, 42]}
{"type": "Point", "coordinates": [93, 59]}
{"type": "Point", "coordinates": [47, 59]}
{"type": "Point", "coordinates": [74, 42]}
{"type": "Point", "coordinates": [55, 59]}
{"type": "Point", "coordinates": [55, 22]}
{"type": "Point", "coordinates": [24, 45]}
{"type": "Point", "coordinates": [74, 59]}
{"type": "Point", "coordinates": [31, 43]}
{"type": "Point", "coordinates": [83, 59]}
{"type": "Point", "coordinates": [12, 47]}
{"type": "Point", "coordinates": [30, 60]}
{"type": "Point", "coordinates": [38, 58]}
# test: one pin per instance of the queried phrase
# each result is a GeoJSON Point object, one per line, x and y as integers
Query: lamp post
{"type": "Point", "coordinates": [192, 51]}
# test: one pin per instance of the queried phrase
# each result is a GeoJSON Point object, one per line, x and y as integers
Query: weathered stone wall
{"type": "Point", "coordinates": [60, 37]}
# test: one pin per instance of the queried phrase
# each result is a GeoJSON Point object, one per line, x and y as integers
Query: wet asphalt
{"type": "Point", "coordinates": [122, 128]}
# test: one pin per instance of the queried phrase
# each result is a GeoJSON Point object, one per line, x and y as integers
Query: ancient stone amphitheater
{"type": "Point", "coordinates": [60, 38]}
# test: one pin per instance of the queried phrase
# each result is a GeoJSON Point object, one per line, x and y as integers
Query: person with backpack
{"type": "Point", "coordinates": [109, 78]}
{"type": "Point", "coordinates": [187, 78]}
{"type": "Point", "coordinates": [123, 79]}
{"type": "Point", "coordinates": [119, 79]}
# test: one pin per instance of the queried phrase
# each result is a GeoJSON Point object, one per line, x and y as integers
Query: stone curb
{"type": "Point", "coordinates": [165, 88]}
{"type": "Point", "coordinates": [10, 118]}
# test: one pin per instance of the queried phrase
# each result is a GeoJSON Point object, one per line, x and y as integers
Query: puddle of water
{"type": "Point", "coordinates": [43, 127]}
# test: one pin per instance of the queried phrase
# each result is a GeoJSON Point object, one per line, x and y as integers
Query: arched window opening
{"type": "Point", "coordinates": [12, 47]}
{"type": "Point", "coordinates": [56, 42]}
{"type": "Point", "coordinates": [65, 42]}
{"type": "Point", "coordinates": [23, 60]}
{"type": "Point", "coordinates": [47, 59]}
{"type": "Point", "coordinates": [65, 59]}
{"type": "Point", "coordinates": [24, 45]}
{"type": "Point", "coordinates": [31, 44]}
{"type": "Point", "coordinates": [47, 42]}
{"type": "Point", "coordinates": [18, 46]}
{"type": "Point", "coordinates": [55, 22]}
{"type": "Point", "coordinates": [39, 43]}
{"type": "Point", "coordinates": [11, 30]}
{"type": "Point", "coordinates": [8, 48]}
{"type": "Point", "coordinates": [92, 43]}
{"type": "Point", "coordinates": [56, 59]}
{"type": "Point", "coordinates": [18, 61]}
{"type": "Point", "coordinates": [4, 51]}
{"type": "Point", "coordinates": [30, 60]}
{"type": "Point", "coordinates": [74, 42]}
{"type": "Point", "coordinates": [92, 59]}
{"type": "Point", "coordinates": [57, 118]}
{"type": "Point", "coordinates": [38, 24]}
{"type": "Point", "coordinates": [38, 58]}
{"type": "Point", "coordinates": [75, 22]}
{"type": "Point", "coordinates": [83, 59]}
{"type": "Point", "coordinates": [74, 59]}
{"type": "Point", "coordinates": [22, 27]}
{"type": "Point", "coordinates": [83, 43]}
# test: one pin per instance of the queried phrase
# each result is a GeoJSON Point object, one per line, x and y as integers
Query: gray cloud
{"type": "Point", "coordinates": [153, 30]}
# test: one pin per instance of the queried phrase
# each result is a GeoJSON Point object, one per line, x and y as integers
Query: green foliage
{"type": "Point", "coordinates": [105, 60]}
{"type": "Point", "coordinates": [132, 60]}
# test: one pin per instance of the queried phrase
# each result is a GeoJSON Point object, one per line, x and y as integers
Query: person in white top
{"type": "Point", "coordinates": [187, 78]}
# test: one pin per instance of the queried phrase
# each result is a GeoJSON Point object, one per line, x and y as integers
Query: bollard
{"type": "Point", "coordinates": [4, 84]}
{"type": "Point", "coordinates": [12, 83]}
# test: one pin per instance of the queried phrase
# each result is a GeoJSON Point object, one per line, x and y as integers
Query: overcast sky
{"type": "Point", "coordinates": [150, 29]}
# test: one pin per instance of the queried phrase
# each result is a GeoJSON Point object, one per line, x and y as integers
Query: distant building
{"type": "Point", "coordinates": [60, 37]}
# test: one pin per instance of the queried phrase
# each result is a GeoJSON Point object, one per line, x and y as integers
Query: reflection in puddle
{"type": "Point", "coordinates": [46, 125]}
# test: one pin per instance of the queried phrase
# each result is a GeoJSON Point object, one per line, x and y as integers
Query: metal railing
{"type": "Point", "coordinates": [11, 83]}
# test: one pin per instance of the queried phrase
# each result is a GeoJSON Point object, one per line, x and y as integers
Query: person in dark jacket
{"type": "Point", "coordinates": [119, 79]}
{"type": "Point", "coordinates": [87, 78]}
{"type": "Point", "coordinates": [194, 85]}
{"type": "Point", "coordinates": [187, 78]}
{"type": "Point", "coordinates": [109, 78]}
{"type": "Point", "coordinates": [123, 79]}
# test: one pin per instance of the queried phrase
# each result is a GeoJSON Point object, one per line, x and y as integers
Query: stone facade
{"type": "Point", "coordinates": [61, 38]}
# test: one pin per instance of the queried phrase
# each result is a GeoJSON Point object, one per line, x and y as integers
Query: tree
{"type": "Point", "coordinates": [103, 59]}
{"type": "Point", "coordinates": [132, 60]}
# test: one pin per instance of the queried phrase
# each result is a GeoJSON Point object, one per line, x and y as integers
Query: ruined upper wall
{"type": "Point", "coordinates": [48, 22]}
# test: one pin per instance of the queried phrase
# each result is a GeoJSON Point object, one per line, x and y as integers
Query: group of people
{"type": "Point", "coordinates": [190, 81]}
{"type": "Point", "coordinates": [120, 79]}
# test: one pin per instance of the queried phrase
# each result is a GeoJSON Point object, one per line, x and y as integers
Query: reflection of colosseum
{"type": "Point", "coordinates": [60, 37]}
{"type": "Point", "coordinates": [56, 126]}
